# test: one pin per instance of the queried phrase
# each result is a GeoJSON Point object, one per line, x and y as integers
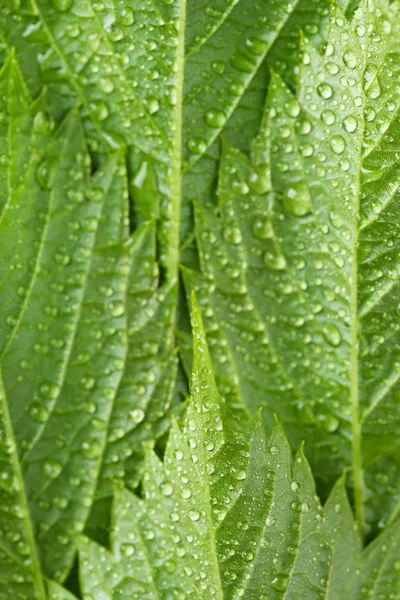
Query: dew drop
{"type": "Point", "coordinates": [197, 145]}
{"type": "Point", "coordinates": [44, 174]}
{"type": "Point", "coordinates": [242, 63]}
{"type": "Point", "coordinates": [325, 91]}
{"type": "Point", "coordinates": [232, 235]}
{"type": "Point", "coordinates": [215, 118]}
{"type": "Point", "coordinates": [126, 17]}
{"type": "Point", "coordinates": [259, 180]}
{"type": "Point", "coordinates": [38, 413]}
{"type": "Point", "coordinates": [275, 261]}
{"type": "Point", "coordinates": [218, 67]}
{"type": "Point", "coordinates": [167, 489]}
{"type": "Point", "coordinates": [350, 124]}
{"type": "Point", "coordinates": [280, 583]}
{"type": "Point", "coordinates": [91, 449]}
{"type": "Point", "coordinates": [332, 334]}
{"type": "Point", "coordinates": [127, 550]}
{"type": "Point", "coordinates": [262, 228]}
{"type": "Point", "coordinates": [256, 46]}
{"type": "Point", "coordinates": [51, 468]}
{"type": "Point", "coordinates": [350, 60]}
{"type": "Point", "coordinates": [328, 117]}
{"type": "Point", "coordinates": [194, 515]}
{"type": "Point", "coordinates": [297, 201]}
{"type": "Point", "coordinates": [338, 144]}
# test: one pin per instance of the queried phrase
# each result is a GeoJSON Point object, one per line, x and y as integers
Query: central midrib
{"type": "Point", "coordinates": [173, 240]}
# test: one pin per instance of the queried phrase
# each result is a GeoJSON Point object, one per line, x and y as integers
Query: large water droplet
{"type": "Point", "coordinates": [297, 201]}
{"type": "Point", "coordinates": [215, 118]}
{"type": "Point", "coordinates": [325, 91]}
{"type": "Point", "coordinates": [350, 123]}
{"type": "Point", "coordinates": [262, 228]}
{"type": "Point", "coordinates": [332, 334]}
{"type": "Point", "coordinates": [259, 180]}
{"type": "Point", "coordinates": [197, 145]}
{"type": "Point", "coordinates": [51, 468]}
{"type": "Point", "coordinates": [338, 144]}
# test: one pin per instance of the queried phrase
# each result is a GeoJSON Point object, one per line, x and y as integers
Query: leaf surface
{"type": "Point", "coordinates": [233, 516]}
{"type": "Point", "coordinates": [297, 276]}
{"type": "Point", "coordinates": [76, 296]}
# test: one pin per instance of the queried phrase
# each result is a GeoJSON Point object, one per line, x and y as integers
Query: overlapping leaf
{"type": "Point", "coordinates": [301, 278]}
{"type": "Point", "coordinates": [228, 515]}
{"type": "Point", "coordinates": [78, 294]}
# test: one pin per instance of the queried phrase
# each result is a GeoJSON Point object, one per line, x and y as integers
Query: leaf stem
{"type": "Point", "coordinates": [173, 236]}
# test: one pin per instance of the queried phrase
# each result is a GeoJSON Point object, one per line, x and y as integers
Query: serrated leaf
{"type": "Point", "coordinates": [227, 515]}
{"type": "Point", "coordinates": [76, 298]}
{"type": "Point", "coordinates": [19, 564]}
{"type": "Point", "coordinates": [301, 281]}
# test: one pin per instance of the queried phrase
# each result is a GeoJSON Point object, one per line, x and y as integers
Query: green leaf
{"type": "Point", "coordinates": [227, 515]}
{"type": "Point", "coordinates": [78, 295]}
{"type": "Point", "coordinates": [301, 274]}
{"type": "Point", "coordinates": [151, 74]}
{"type": "Point", "coordinates": [19, 565]}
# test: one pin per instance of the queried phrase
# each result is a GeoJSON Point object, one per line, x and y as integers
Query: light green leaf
{"type": "Point", "coordinates": [20, 574]}
{"type": "Point", "coordinates": [301, 274]}
{"type": "Point", "coordinates": [227, 515]}
{"type": "Point", "coordinates": [381, 566]}
{"type": "Point", "coordinates": [150, 75]}
{"type": "Point", "coordinates": [78, 294]}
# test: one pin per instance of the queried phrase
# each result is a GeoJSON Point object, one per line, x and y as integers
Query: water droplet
{"type": "Point", "coordinates": [338, 144]}
{"type": "Point", "coordinates": [274, 450]}
{"type": "Point", "coordinates": [91, 449]}
{"type": "Point", "coordinates": [38, 413]}
{"type": "Point", "coordinates": [137, 415]}
{"type": "Point", "coordinates": [215, 118]}
{"type": "Point", "coordinates": [275, 261]}
{"type": "Point", "coordinates": [126, 17]}
{"type": "Point", "coordinates": [331, 423]}
{"type": "Point", "coordinates": [325, 91]}
{"type": "Point", "coordinates": [127, 550]}
{"type": "Point", "coordinates": [328, 117]}
{"type": "Point", "coordinates": [350, 123]}
{"type": "Point", "coordinates": [332, 334]}
{"type": "Point", "coordinates": [280, 583]}
{"type": "Point", "coordinates": [260, 181]}
{"type": "Point", "coordinates": [232, 235]}
{"type": "Point", "coordinates": [197, 146]}
{"type": "Point", "coordinates": [256, 46]}
{"type": "Point", "coordinates": [241, 475]}
{"type": "Point", "coordinates": [99, 110]}
{"type": "Point", "coordinates": [44, 173]}
{"type": "Point", "coordinates": [51, 468]}
{"type": "Point", "coordinates": [194, 515]}
{"type": "Point", "coordinates": [236, 89]}
{"type": "Point", "coordinates": [350, 60]}
{"type": "Point", "coordinates": [62, 5]}
{"type": "Point", "coordinates": [262, 228]}
{"type": "Point", "coordinates": [167, 489]}
{"type": "Point", "coordinates": [218, 67]}
{"type": "Point", "coordinates": [247, 555]}
{"type": "Point", "coordinates": [106, 85]}
{"type": "Point", "coordinates": [242, 63]}
{"type": "Point", "coordinates": [49, 390]}
{"type": "Point", "coordinates": [153, 105]}
{"type": "Point", "coordinates": [292, 108]}
{"type": "Point", "coordinates": [116, 309]}
{"type": "Point", "coordinates": [297, 201]}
